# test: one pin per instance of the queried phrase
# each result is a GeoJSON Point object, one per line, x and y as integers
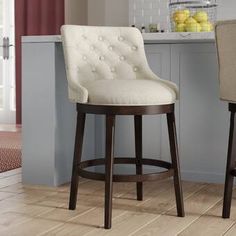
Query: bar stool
{"type": "Point", "coordinates": [108, 74]}
{"type": "Point", "coordinates": [226, 38]}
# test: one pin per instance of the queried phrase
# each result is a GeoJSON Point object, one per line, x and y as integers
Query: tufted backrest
{"type": "Point", "coordinates": [226, 46]}
{"type": "Point", "coordinates": [98, 53]}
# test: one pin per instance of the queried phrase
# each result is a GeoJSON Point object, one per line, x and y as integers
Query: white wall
{"type": "Point", "coordinates": [108, 12]}
{"type": "Point", "coordinates": [117, 12]}
{"type": "Point", "coordinates": [96, 12]}
{"type": "Point", "coordinates": [76, 12]}
{"type": "Point", "coordinates": [227, 9]}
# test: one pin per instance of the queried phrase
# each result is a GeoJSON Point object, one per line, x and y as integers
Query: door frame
{"type": "Point", "coordinates": [8, 110]}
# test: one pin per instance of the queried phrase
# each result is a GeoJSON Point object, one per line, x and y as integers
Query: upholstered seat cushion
{"type": "Point", "coordinates": [131, 92]}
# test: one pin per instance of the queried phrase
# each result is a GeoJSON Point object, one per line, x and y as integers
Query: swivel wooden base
{"type": "Point", "coordinates": [79, 168]}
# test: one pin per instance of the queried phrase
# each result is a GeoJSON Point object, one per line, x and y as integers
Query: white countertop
{"type": "Point", "coordinates": [184, 37]}
{"type": "Point", "coordinates": [41, 39]}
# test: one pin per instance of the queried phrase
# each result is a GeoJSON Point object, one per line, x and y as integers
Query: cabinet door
{"type": "Point", "coordinates": [156, 138]}
{"type": "Point", "coordinates": [204, 120]}
{"type": "Point", "coordinates": [158, 56]}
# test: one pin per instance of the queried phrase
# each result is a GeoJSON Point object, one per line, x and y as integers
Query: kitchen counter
{"type": "Point", "coordinates": [189, 60]}
{"type": "Point", "coordinates": [184, 37]}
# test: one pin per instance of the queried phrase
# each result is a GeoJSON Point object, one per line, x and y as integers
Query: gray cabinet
{"type": "Point", "coordinates": [49, 118]}
{"type": "Point", "coordinates": [159, 59]}
{"type": "Point", "coordinates": [203, 118]}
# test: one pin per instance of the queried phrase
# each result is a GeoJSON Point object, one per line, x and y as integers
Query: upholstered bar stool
{"type": "Point", "coordinates": [108, 74]}
{"type": "Point", "coordinates": [226, 38]}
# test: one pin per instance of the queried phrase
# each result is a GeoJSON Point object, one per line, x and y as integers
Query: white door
{"type": "Point", "coordinates": [7, 62]}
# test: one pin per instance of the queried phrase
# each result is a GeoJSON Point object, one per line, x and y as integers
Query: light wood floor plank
{"type": "Point", "coordinates": [40, 210]}
{"type": "Point", "coordinates": [10, 219]}
{"type": "Point", "coordinates": [213, 224]}
{"type": "Point", "coordinates": [33, 227]}
{"type": "Point", "coordinates": [15, 188]}
{"type": "Point", "coordinates": [138, 214]}
{"type": "Point", "coordinates": [10, 173]}
{"type": "Point", "coordinates": [125, 224]}
{"type": "Point", "coordinates": [195, 206]}
{"type": "Point", "coordinates": [231, 231]}
{"type": "Point", "coordinates": [5, 195]}
{"type": "Point", "coordinates": [10, 180]}
{"type": "Point", "coordinates": [94, 218]}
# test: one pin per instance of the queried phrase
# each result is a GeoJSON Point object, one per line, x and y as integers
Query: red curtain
{"type": "Point", "coordinates": [34, 17]}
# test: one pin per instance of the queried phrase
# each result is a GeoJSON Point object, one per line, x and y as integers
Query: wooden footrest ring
{"type": "Point", "coordinates": [126, 178]}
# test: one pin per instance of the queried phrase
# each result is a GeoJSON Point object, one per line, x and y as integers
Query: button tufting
{"type": "Point", "coordinates": [121, 38]}
{"type": "Point", "coordinates": [134, 48]}
{"type": "Point", "coordinates": [100, 38]}
{"type": "Point", "coordinates": [84, 37]}
{"type": "Point", "coordinates": [92, 48]}
{"type": "Point", "coordinates": [84, 58]}
{"type": "Point", "coordinates": [122, 58]}
{"type": "Point", "coordinates": [101, 58]}
{"type": "Point", "coordinates": [110, 47]}
{"type": "Point", "coordinates": [113, 69]}
{"type": "Point", "coordinates": [135, 69]}
{"type": "Point", "coordinates": [93, 69]}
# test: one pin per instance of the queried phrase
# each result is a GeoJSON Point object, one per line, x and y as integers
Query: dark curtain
{"type": "Point", "coordinates": [34, 17]}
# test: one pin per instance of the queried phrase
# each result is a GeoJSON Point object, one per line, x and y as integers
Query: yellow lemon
{"type": "Point", "coordinates": [180, 27]}
{"type": "Point", "coordinates": [190, 20]}
{"type": "Point", "coordinates": [179, 17]}
{"type": "Point", "coordinates": [206, 26]}
{"type": "Point", "coordinates": [193, 27]}
{"type": "Point", "coordinates": [201, 16]}
{"type": "Point", "coordinates": [187, 13]}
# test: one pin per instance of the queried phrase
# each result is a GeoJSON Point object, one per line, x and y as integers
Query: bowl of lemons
{"type": "Point", "coordinates": [192, 16]}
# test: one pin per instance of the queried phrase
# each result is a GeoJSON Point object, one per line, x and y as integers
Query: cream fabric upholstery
{"type": "Point", "coordinates": [226, 45]}
{"type": "Point", "coordinates": [126, 92]}
{"type": "Point", "coordinates": [107, 65]}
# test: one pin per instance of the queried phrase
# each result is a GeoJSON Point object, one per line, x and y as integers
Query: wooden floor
{"type": "Point", "coordinates": [10, 127]}
{"type": "Point", "coordinates": [34, 210]}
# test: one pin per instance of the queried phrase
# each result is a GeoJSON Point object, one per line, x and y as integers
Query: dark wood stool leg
{"type": "Point", "coordinates": [77, 158]}
{"type": "Point", "coordinates": [229, 179]}
{"type": "Point", "coordinates": [138, 154]}
{"type": "Point", "coordinates": [175, 163]}
{"type": "Point", "coordinates": [110, 130]}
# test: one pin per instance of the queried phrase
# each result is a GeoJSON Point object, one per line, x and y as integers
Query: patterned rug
{"type": "Point", "coordinates": [10, 150]}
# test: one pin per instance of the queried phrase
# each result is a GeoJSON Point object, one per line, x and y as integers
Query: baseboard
{"type": "Point", "coordinates": [203, 177]}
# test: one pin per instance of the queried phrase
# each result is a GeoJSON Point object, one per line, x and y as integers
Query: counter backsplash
{"type": "Point", "coordinates": [146, 12]}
